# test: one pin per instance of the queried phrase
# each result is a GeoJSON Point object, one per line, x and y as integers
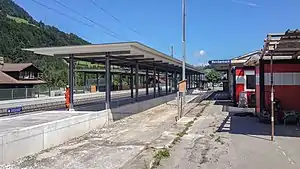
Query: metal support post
{"type": "Point", "coordinates": [188, 81]}
{"type": "Point", "coordinates": [98, 87]}
{"type": "Point", "coordinates": [147, 81]}
{"type": "Point", "coordinates": [183, 46]}
{"type": "Point", "coordinates": [199, 80]}
{"type": "Point", "coordinates": [131, 81]}
{"type": "Point", "coordinates": [38, 87]}
{"type": "Point", "coordinates": [194, 81]}
{"type": "Point", "coordinates": [71, 81]}
{"type": "Point", "coordinates": [136, 81]}
{"type": "Point", "coordinates": [154, 82]}
{"type": "Point", "coordinates": [178, 105]}
{"type": "Point", "coordinates": [167, 89]}
{"type": "Point", "coordinates": [12, 94]}
{"type": "Point", "coordinates": [191, 80]}
{"type": "Point", "coordinates": [272, 99]}
{"type": "Point", "coordinates": [120, 82]}
{"type": "Point", "coordinates": [108, 82]}
{"type": "Point", "coordinates": [26, 92]}
{"type": "Point", "coordinates": [175, 81]}
{"type": "Point", "coordinates": [158, 84]}
{"type": "Point", "coordinates": [84, 81]}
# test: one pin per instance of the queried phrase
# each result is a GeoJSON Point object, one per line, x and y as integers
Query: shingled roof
{"type": "Point", "coordinates": [15, 67]}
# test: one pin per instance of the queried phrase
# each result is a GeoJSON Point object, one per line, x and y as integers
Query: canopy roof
{"type": "Point", "coordinates": [123, 54]}
{"type": "Point", "coordinates": [282, 45]}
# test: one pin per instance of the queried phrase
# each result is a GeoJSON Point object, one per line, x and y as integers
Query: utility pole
{"type": "Point", "coordinates": [172, 50]}
{"type": "Point", "coordinates": [183, 45]}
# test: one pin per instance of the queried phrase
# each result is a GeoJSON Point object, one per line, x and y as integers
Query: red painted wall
{"type": "Point", "coordinates": [257, 90]}
{"type": "Point", "coordinates": [240, 87]}
{"type": "Point", "coordinates": [287, 91]}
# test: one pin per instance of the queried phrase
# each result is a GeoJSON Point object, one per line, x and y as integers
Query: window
{"type": "Point", "coordinates": [31, 75]}
{"type": "Point", "coordinates": [21, 75]}
{"type": "Point", "coordinates": [250, 81]}
{"type": "Point", "coordinates": [26, 75]}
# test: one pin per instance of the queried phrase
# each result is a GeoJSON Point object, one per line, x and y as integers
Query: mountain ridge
{"type": "Point", "coordinates": [19, 30]}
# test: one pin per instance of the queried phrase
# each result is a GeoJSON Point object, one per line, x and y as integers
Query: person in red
{"type": "Point", "coordinates": [67, 97]}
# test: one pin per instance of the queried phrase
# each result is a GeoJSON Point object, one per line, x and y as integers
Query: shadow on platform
{"type": "Point", "coordinates": [242, 121]}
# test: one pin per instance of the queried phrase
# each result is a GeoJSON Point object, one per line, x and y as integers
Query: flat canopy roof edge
{"type": "Point", "coordinates": [117, 49]}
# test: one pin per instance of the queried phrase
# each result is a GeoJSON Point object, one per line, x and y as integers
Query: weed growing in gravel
{"type": "Point", "coordinates": [176, 139]}
{"type": "Point", "coordinates": [189, 124]}
{"type": "Point", "coordinates": [219, 140]}
{"type": "Point", "coordinates": [161, 154]}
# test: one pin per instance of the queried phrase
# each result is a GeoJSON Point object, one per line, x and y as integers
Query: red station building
{"type": "Point", "coordinates": [241, 78]}
{"type": "Point", "coordinates": [279, 59]}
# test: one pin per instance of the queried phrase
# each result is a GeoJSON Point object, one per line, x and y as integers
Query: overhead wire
{"type": "Point", "coordinates": [114, 17]}
{"type": "Point", "coordinates": [68, 16]}
{"type": "Point", "coordinates": [110, 33]}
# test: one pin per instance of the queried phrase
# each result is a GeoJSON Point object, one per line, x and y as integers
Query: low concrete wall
{"type": "Point", "coordinates": [128, 110]}
{"type": "Point", "coordinates": [30, 140]}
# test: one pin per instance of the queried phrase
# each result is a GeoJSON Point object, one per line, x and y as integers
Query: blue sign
{"type": "Point", "coordinates": [14, 110]}
{"type": "Point", "coordinates": [219, 62]}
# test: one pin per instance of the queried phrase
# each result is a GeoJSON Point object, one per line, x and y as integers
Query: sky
{"type": "Point", "coordinates": [215, 29]}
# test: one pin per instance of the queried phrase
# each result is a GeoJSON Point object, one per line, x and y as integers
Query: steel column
{"type": "Point", "coordinates": [84, 81]}
{"type": "Point", "coordinates": [97, 88]}
{"type": "Point", "coordinates": [158, 85]}
{"type": "Point", "coordinates": [175, 81]}
{"type": "Point", "coordinates": [154, 81]}
{"type": "Point", "coordinates": [193, 80]}
{"type": "Point", "coordinates": [71, 81]}
{"type": "Point", "coordinates": [167, 83]}
{"type": "Point", "coordinates": [147, 81]}
{"type": "Point", "coordinates": [131, 81]}
{"type": "Point", "coordinates": [136, 81]}
{"type": "Point", "coordinates": [108, 82]}
{"type": "Point", "coordinates": [198, 80]}
{"type": "Point", "coordinates": [120, 82]}
{"type": "Point", "coordinates": [188, 81]}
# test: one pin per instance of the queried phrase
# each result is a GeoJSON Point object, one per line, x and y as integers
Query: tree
{"type": "Point", "coordinates": [16, 35]}
{"type": "Point", "coordinates": [213, 76]}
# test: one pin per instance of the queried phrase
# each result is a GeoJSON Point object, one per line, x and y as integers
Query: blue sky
{"type": "Point", "coordinates": [220, 29]}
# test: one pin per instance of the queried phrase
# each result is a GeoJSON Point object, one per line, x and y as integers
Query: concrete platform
{"type": "Point", "coordinates": [10, 124]}
{"type": "Point", "coordinates": [28, 134]}
{"type": "Point", "coordinates": [111, 147]}
{"type": "Point", "coordinates": [25, 135]}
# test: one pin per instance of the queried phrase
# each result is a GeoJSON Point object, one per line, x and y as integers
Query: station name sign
{"type": "Point", "coordinates": [219, 62]}
{"type": "Point", "coordinates": [14, 110]}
